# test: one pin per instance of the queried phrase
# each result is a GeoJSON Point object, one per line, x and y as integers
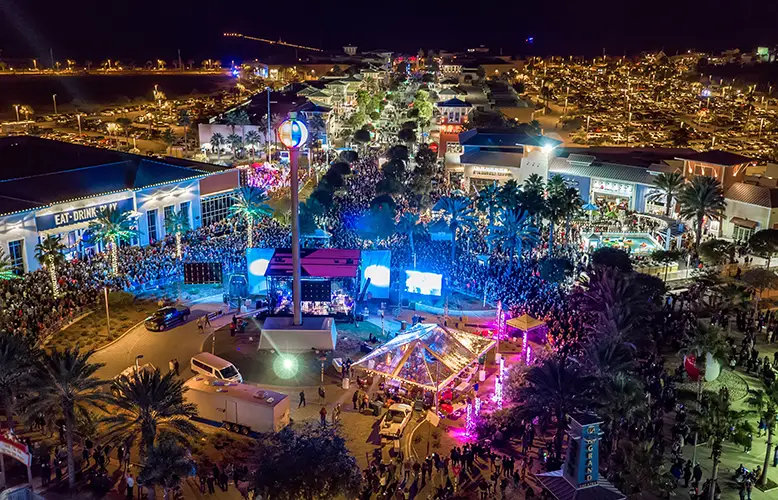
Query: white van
{"type": "Point", "coordinates": [210, 365]}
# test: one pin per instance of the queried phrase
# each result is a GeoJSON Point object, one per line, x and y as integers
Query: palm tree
{"type": "Point", "coordinates": [554, 390]}
{"type": "Point", "coordinates": [148, 405]}
{"type": "Point", "coordinates": [513, 232]}
{"type": "Point", "coordinates": [617, 306]}
{"type": "Point", "coordinates": [26, 111]}
{"type": "Point", "coordinates": [168, 137]}
{"type": "Point", "coordinates": [668, 185]}
{"type": "Point", "coordinates": [714, 422]}
{"type": "Point", "coordinates": [488, 200]}
{"type": "Point", "coordinates": [765, 404]}
{"type": "Point", "coordinates": [217, 141]}
{"type": "Point", "coordinates": [185, 120]}
{"type": "Point", "coordinates": [49, 253]}
{"type": "Point", "coordinates": [622, 400]}
{"type": "Point", "coordinates": [66, 385]}
{"type": "Point", "coordinates": [235, 143]}
{"type": "Point", "coordinates": [701, 198]}
{"type": "Point", "coordinates": [7, 269]}
{"type": "Point", "coordinates": [457, 211]}
{"type": "Point", "coordinates": [249, 204]}
{"type": "Point", "coordinates": [534, 183]}
{"type": "Point", "coordinates": [165, 466]}
{"type": "Point", "coordinates": [177, 223]}
{"type": "Point", "coordinates": [508, 196]}
{"type": "Point", "coordinates": [17, 356]}
{"type": "Point", "coordinates": [113, 227]}
{"type": "Point", "coordinates": [571, 206]}
{"type": "Point", "coordinates": [409, 226]}
{"type": "Point", "coordinates": [252, 141]}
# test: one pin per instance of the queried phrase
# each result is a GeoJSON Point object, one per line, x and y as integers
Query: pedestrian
{"type": "Point", "coordinates": [85, 457]}
{"type": "Point", "coordinates": [323, 414]}
{"type": "Point", "coordinates": [336, 414]}
{"type": "Point", "coordinates": [302, 399]}
{"type": "Point", "coordinates": [355, 399]}
{"type": "Point", "coordinates": [46, 471]}
{"type": "Point", "coordinates": [120, 454]}
{"type": "Point", "coordinates": [130, 485]}
{"type": "Point", "coordinates": [749, 443]}
{"type": "Point", "coordinates": [210, 480]}
{"type": "Point", "coordinates": [172, 366]}
{"type": "Point", "coordinates": [176, 365]}
{"type": "Point", "coordinates": [200, 324]}
{"type": "Point", "coordinates": [223, 480]}
{"type": "Point", "coordinates": [775, 457]}
{"type": "Point", "coordinates": [697, 474]}
{"type": "Point", "coordinates": [749, 486]}
{"type": "Point", "coordinates": [321, 394]}
{"type": "Point", "coordinates": [687, 473]}
{"type": "Point", "coordinates": [207, 321]}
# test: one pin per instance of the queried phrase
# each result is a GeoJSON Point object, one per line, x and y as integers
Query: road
{"type": "Point", "coordinates": [158, 348]}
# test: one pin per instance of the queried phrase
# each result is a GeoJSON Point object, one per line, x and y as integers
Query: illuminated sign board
{"type": "Point", "coordinates": [78, 215]}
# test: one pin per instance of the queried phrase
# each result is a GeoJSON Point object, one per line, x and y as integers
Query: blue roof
{"type": "Point", "coordinates": [39, 172]}
{"type": "Point", "coordinates": [454, 103]}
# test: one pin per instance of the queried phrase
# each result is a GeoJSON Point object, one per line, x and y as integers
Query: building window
{"type": "Point", "coordinates": [184, 208]}
{"type": "Point", "coordinates": [168, 211]}
{"type": "Point", "coordinates": [16, 255]}
{"type": "Point", "coordinates": [151, 218]}
{"type": "Point", "coordinates": [215, 208]}
{"type": "Point", "coordinates": [742, 233]}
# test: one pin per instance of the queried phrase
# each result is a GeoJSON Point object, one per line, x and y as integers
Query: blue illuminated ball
{"type": "Point", "coordinates": [293, 133]}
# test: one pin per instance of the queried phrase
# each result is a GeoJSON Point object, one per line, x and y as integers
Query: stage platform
{"type": "Point", "coordinates": [279, 333]}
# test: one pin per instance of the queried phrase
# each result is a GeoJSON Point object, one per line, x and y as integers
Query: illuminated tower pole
{"type": "Point", "coordinates": [293, 134]}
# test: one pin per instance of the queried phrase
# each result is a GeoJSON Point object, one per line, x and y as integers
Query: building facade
{"type": "Point", "coordinates": [50, 188]}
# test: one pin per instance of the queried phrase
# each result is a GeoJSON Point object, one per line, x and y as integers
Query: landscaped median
{"type": "Point", "coordinates": [90, 331]}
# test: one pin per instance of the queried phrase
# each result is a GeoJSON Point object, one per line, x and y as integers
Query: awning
{"type": "Point", "coordinates": [739, 221]}
{"type": "Point", "coordinates": [525, 322]}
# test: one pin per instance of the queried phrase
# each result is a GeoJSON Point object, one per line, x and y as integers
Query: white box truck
{"type": "Point", "coordinates": [239, 408]}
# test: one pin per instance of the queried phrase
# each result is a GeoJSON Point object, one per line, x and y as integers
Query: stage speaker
{"type": "Point", "coordinates": [199, 273]}
{"type": "Point", "coordinates": [316, 290]}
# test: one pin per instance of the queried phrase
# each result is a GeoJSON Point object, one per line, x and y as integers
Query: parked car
{"type": "Point", "coordinates": [166, 317]}
{"type": "Point", "coordinates": [395, 420]}
{"type": "Point", "coordinates": [130, 371]}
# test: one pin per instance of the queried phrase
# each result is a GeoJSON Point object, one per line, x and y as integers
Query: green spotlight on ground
{"type": "Point", "coordinates": [286, 366]}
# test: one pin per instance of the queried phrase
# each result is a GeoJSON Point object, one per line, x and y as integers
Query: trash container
{"type": "Point", "coordinates": [403, 324]}
{"type": "Point", "coordinates": [377, 408]}
{"type": "Point", "coordinates": [345, 383]}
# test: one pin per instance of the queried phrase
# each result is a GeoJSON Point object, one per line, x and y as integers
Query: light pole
{"type": "Point", "coordinates": [108, 314]}
{"type": "Point", "coordinates": [78, 117]}
{"type": "Point", "coordinates": [293, 134]}
{"type": "Point", "coordinates": [16, 107]}
{"type": "Point", "coordinates": [54, 97]}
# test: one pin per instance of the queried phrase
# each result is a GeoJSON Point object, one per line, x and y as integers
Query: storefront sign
{"type": "Point", "coordinates": [15, 450]}
{"type": "Point", "coordinates": [611, 187]}
{"type": "Point", "coordinates": [77, 215]}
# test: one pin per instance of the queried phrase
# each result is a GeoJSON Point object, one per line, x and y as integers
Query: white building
{"type": "Point", "coordinates": [56, 188]}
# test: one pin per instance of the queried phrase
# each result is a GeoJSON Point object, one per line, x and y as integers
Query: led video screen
{"type": "Point", "coordinates": [258, 259]}
{"type": "Point", "coordinates": [423, 283]}
{"type": "Point", "coordinates": [375, 265]}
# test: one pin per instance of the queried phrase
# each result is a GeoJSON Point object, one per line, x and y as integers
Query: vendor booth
{"type": "Point", "coordinates": [531, 331]}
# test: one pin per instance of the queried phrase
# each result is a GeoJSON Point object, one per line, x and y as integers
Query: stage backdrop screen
{"type": "Point", "coordinates": [375, 265]}
{"type": "Point", "coordinates": [258, 259]}
{"type": "Point", "coordinates": [423, 283]}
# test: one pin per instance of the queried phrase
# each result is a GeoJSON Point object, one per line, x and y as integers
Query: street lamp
{"type": "Point", "coordinates": [293, 134]}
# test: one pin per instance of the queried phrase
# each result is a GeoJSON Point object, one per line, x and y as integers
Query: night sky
{"type": "Point", "coordinates": [144, 29]}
